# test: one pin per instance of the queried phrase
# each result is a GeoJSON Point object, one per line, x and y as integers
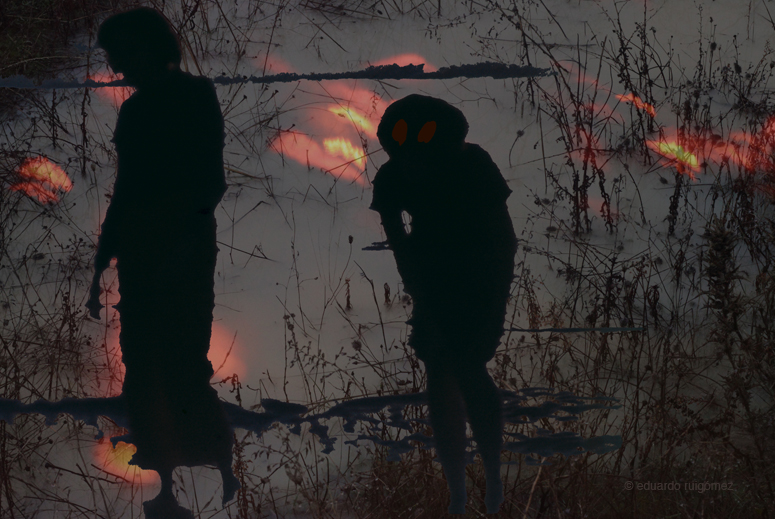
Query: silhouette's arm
{"type": "Point", "coordinates": [387, 202]}
{"type": "Point", "coordinates": [394, 230]}
{"type": "Point", "coordinates": [106, 246]}
{"type": "Point", "coordinates": [404, 251]}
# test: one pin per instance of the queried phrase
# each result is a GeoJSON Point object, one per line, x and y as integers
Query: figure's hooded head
{"type": "Point", "coordinates": [422, 128]}
{"type": "Point", "coordinates": [140, 44]}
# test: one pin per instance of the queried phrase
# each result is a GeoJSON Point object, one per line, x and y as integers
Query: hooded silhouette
{"type": "Point", "coordinates": [456, 259]}
{"type": "Point", "coordinates": [160, 226]}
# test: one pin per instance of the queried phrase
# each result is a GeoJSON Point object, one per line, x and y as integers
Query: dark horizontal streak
{"type": "Point", "coordinates": [383, 72]}
{"type": "Point", "coordinates": [574, 330]}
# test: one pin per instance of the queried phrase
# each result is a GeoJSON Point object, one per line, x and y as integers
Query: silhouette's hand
{"type": "Point", "coordinates": [93, 304]}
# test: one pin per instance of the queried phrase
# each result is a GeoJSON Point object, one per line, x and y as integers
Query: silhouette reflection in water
{"type": "Point", "coordinates": [456, 259]}
{"type": "Point", "coordinates": [160, 226]}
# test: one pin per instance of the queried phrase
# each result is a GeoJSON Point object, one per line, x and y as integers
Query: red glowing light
{"type": "Point", "coordinates": [641, 105]}
{"type": "Point", "coordinates": [598, 207]}
{"type": "Point", "coordinates": [113, 95]}
{"type": "Point", "coordinates": [576, 75]}
{"type": "Point", "coordinates": [43, 179]}
{"type": "Point", "coordinates": [587, 150]}
{"type": "Point", "coordinates": [116, 461]}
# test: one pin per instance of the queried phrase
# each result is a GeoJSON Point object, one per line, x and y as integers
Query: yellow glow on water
{"type": "Point", "coordinates": [359, 120]}
{"type": "Point", "coordinates": [345, 149]}
{"type": "Point", "coordinates": [686, 161]}
{"type": "Point", "coordinates": [116, 462]}
{"type": "Point", "coordinates": [673, 150]}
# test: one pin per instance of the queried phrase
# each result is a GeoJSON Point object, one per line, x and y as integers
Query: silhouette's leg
{"type": "Point", "coordinates": [230, 482]}
{"type": "Point", "coordinates": [449, 430]}
{"type": "Point", "coordinates": [483, 405]}
{"type": "Point", "coordinates": [166, 483]}
{"type": "Point", "coordinates": [165, 506]}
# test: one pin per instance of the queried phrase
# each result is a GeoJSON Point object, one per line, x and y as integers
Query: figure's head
{"type": "Point", "coordinates": [140, 44]}
{"type": "Point", "coordinates": [421, 127]}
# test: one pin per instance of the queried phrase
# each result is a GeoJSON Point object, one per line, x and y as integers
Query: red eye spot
{"type": "Point", "coordinates": [426, 134]}
{"type": "Point", "coordinates": [399, 131]}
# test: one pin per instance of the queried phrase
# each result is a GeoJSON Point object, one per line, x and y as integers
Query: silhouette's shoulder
{"type": "Point", "coordinates": [198, 86]}
{"type": "Point", "coordinates": [129, 104]}
{"type": "Point", "coordinates": [487, 177]}
{"type": "Point", "coordinates": [474, 152]}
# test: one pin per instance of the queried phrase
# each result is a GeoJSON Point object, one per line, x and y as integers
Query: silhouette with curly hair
{"type": "Point", "coordinates": [160, 226]}
{"type": "Point", "coordinates": [456, 260]}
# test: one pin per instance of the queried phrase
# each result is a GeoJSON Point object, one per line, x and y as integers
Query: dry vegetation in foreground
{"type": "Point", "coordinates": [696, 387]}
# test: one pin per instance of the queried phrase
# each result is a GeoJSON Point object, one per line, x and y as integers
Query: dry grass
{"type": "Point", "coordinates": [696, 388]}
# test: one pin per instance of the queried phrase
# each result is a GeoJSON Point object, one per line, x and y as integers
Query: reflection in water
{"type": "Point", "coordinates": [42, 179]}
{"type": "Point", "coordinates": [562, 406]}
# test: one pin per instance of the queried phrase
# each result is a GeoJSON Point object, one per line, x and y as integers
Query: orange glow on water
{"type": "Point", "coordinates": [403, 60]}
{"type": "Point", "coordinates": [224, 354]}
{"type": "Point", "coordinates": [332, 135]}
{"type": "Point", "coordinates": [43, 179]}
{"type": "Point", "coordinates": [271, 64]}
{"type": "Point", "coordinates": [35, 190]}
{"type": "Point", "coordinates": [632, 98]}
{"type": "Point", "coordinates": [116, 461]}
{"type": "Point", "coordinates": [42, 170]}
{"type": "Point", "coordinates": [113, 95]}
{"type": "Point", "coordinates": [577, 76]}
{"type": "Point", "coordinates": [335, 137]}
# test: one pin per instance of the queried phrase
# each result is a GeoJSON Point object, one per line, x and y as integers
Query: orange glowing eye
{"type": "Point", "coordinates": [426, 134]}
{"type": "Point", "coordinates": [399, 131]}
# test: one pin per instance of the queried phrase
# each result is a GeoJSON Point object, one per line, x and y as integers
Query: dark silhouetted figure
{"type": "Point", "coordinates": [456, 259]}
{"type": "Point", "coordinates": [160, 226]}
